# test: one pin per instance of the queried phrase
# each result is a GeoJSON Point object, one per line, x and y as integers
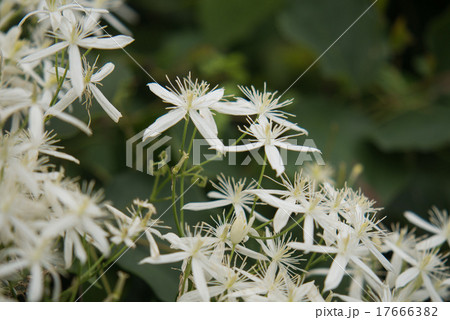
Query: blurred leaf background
{"type": "Point", "coordinates": [379, 97]}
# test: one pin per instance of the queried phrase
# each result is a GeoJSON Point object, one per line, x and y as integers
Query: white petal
{"type": "Point", "coordinates": [367, 270]}
{"type": "Point", "coordinates": [199, 279]}
{"type": "Point", "coordinates": [233, 108]}
{"type": "Point", "coordinates": [406, 277]}
{"type": "Point", "coordinates": [36, 123]}
{"type": "Point", "coordinates": [434, 295]}
{"type": "Point", "coordinates": [115, 42]}
{"type": "Point", "coordinates": [165, 94]}
{"type": "Point", "coordinates": [42, 53]}
{"type": "Point", "coordinates": [165, 258]}
{"type": "Point", "coordinates": [282, 216]}
{"type": "Point", "coordinates": [74, 121]}
{"type": "Point", "coordinates": [12, 267]}
{"type": "Point", "coordinates": [197, 206]}
{"type": "Point", "coordinates": [60, 155]}
{"type": "Point", "coordinates": [431, 242]}
{"type": "Point", "coordinates": [112, 112]}
{"type": "Point", "coordinates": [206, 131]}
{"type": "Point", "coordinates": [287, 124]}
{"type": "Point", "coordinates": [275, 159]}
{"type": "Point", "coordinates": [308, 230]}
{"type": "Point", "coordinates": [276, 202]}
{"type": "Point", "coordinates": [76, 70]}
{"type": "Point", "coordinates": [314, 248]}
{"type": "Point", "coordinates": [164, 122]}
{"type": "Point", "coordinates": [103, 72]}
{"type": "Point", "coordinates": [421, 223]}
{"type": "Point", "coordinates": [208, 116]}
{"type": "Point", "coordinates": [62, 104]}
{"type": "Point", "coordinates": [208, 99]}
{"type": "Point", "coordinates": [35, 288]}
{"type": "Point", "coordinates": [336, 273]}
{"type": "Point", "coordinates": [243, 147]}
{"type": "Point", "coordinates": [293, 147]}
{"type": "Point", "coordinates": [250, 253]}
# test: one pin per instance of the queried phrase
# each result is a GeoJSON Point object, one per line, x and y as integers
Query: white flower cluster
{"type": "Point", "coordinates": [46, 218]}
{"type": "Point", "coordinates": [334, 233]}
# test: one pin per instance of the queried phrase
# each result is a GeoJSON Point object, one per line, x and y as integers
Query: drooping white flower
{"type": "Point", "coordinates": [91, 81]}
{"type": "Point", "coordinates": [270, 136]}
{"type": "Point", "coordinates": [192, 99]}
{"type": "Point", "coordinates": [76, 33]}
{"type": "Point", "coordinates": [439, 226]}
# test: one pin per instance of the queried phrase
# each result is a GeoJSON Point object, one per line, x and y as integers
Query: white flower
{"type": "Point", "coordinates": [230, 192]}
{"type": "Point", "coordinates": [270, 137]}
{"type": "Point", "coordinates": [347, 248]}
{"type": "Point", "coordinates": [425, 265]}
{"type": "Point", "coordinates": [35, 256]}
{"type": "Point", "coordinates": [439, 226]}
{"type": "Point", "coordinates": [78, 215]}
{"type": "Point", "coordinates": [77, 33]}
{"type": "Point", "coordinates": [193, 247]}
{"type": "Point", "coordinates": [279, 252]}
{"type": "Point", "coordinates": [129, 227]}
{"type": "Point", "coordinates": [190, 99]}
{"type": "Point", "coordinates": [90, 82]}
{"type": "Point", "coordinates": [263, 104]}
{"type": "Point", "coordinates": [228, 281]}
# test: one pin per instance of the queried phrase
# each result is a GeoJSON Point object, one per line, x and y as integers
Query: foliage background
{"type": "Point", "coordinates": [379, 97]}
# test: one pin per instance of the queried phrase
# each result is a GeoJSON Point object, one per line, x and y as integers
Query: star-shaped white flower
{"type": "Point", "coordinates": [270, 136]}
{"type": "Point", "coordinates": [190, 99]}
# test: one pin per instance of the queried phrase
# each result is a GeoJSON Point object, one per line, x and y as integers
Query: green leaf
{"type": "Point", "coordinates": [316, 24]}
{"type": "Point", "coordinates": [422, 130]}
{"type": "Point", "coordinates": [438, 40]}
{"type": "Point", "coordinates": [226, 22]}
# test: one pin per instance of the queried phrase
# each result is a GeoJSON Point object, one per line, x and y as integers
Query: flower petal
{"type": "Point", "coordinates": [165, 94]}
{"type": "Point", "coordinates": [275, 159]}
{"type": "Point", "coordinates": [112, 112]}
{"type": "Point", "coordinates": [199, 279]}
{"type": "Point", "coordinates": [336, 273]}
{"type": "Point", "coordinates": [115, 42]}
{"type": "Point", "coordinates": [206, 131]}
{"type": "Point", "coordinates": [197, 206]}
{"type": "Point", "coordinates": [76, 70]}
{"type": "Point", "coordinates": [42, 53]}
{"type": "Point", "coordinates": [164, 122]}
{"type": "Point", "coordinates": [293, 147]}
{"type": "Point", "coordinates": [103, 72]}
{"type": "Point", "coordinates": [165, 258]}
{"type": "Point", "coordinates": [406, 277]}
{"type": "Point", "coordinates": [209, 99]}
{"type": "Point", "coordinates": [421, 223]}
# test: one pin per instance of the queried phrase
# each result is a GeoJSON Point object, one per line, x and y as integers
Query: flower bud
{"type": "Point", "coordinates": [238, 230]}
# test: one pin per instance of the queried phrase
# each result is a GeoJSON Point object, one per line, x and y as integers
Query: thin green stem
{"type": "Point", "coordinates": [174, 207]}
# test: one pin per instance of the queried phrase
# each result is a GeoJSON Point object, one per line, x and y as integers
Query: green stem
{"type": "Point", "coordinates": [187, 272]}
{"type": "Point", "coordinates": [174, 207]}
